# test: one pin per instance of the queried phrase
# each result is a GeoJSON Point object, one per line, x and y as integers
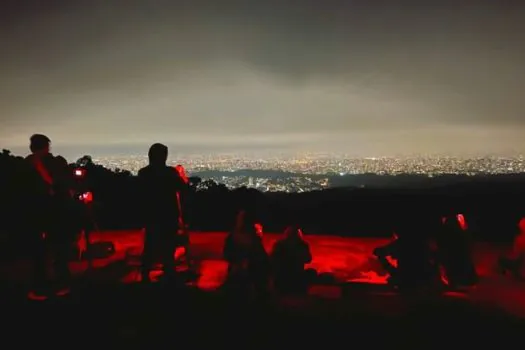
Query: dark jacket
{"type": "Point", "coordinates": [159, 186]}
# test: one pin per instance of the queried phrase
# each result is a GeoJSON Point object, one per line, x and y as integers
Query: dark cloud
{"type": "Point", "coordinates": [366, 75]}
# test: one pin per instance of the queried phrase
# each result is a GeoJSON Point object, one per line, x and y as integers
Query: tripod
{"type": "Point", "coordinates": [85, 245]}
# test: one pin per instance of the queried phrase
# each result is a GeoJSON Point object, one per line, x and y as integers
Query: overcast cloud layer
{"type": "Point", "coordinates": [363, 77]}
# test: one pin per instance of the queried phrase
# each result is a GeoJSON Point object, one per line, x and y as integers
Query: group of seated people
{"type": "Point", "coordinates": [414, 259]}
{"type": "Point", "coordinates": [250, 266]}
{"type": "Point", "coordinates": [411, 259]}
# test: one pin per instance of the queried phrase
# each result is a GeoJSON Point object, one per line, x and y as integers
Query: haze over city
{"type": "Point", "coordinates": [366, 78]}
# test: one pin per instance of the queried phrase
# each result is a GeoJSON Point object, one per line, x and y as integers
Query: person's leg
{"type": "Point", "coordinates": [187, 250]}
{"type": "Point", "coordinates": [39, 280]}
{"type": "Point", "coordinates": [168, 247]}
{"type": "Point", "coordinates": [62, 252]}
{"type": "Point", "coordinates": [147, 253]}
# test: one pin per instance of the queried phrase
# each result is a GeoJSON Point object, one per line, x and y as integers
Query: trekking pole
{"type": "Point", "coordinates": [182, 173]}
{"type": "Point", "coordinates": [185, 232]}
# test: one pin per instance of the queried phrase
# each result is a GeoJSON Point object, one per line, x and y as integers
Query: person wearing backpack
{"type": "Point", "coordinates": [47, 192]}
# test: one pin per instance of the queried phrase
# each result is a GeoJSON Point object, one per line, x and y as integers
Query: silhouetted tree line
{"type": "Point", "coordinates": [492, 205]}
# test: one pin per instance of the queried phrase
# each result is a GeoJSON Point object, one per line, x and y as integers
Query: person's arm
{"type": "Point", "coordinates": [181, 190]}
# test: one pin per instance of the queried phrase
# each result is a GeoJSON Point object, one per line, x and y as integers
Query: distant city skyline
{"type": "Point", "coordinates": [73, 152]}
{"type": "Point", "coordinates": [367, 78]}
{"type": "Point", "coordinates": [311, 172]}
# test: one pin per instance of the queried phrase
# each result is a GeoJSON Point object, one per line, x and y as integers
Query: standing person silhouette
{"type": "Point", "coordinates": [160, 188]}
{"type": "Point", "coordinates": [48, 191]}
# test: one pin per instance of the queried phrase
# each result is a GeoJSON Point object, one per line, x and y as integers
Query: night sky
{"type": "Point", "coordinates": [367, 78]}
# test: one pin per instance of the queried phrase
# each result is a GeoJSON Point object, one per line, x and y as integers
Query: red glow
{"type": "Point", "coordinates": [182, 173]}
{"type": "Point", "coordinates": [87, 197]}
{"type": "Point", "coordinates": [462, 222]}
{"type": "Point", "coordinates": [347, 258]}
{"type": "Point", "coordinates": [259, 229]}
{"type": "Point", "coordinates": [521, 225]}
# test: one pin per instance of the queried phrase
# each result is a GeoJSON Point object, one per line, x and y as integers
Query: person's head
{"type": "Point", "coordinates": [293, 232]}
{"type": "Point", "coordinates": [39, 144]}
{"type": "Point", "coordinates": [245, 222]}
{"type": "Point", "coordinates": [158, 154]}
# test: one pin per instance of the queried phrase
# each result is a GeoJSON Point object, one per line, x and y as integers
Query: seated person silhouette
{"type": "Point", "coordinates": [289, 257]}
{"type": "Point", "coordinates": [248, 262]}
{"type": "Point", "coordinates": [514, 262]}
{"type": "Point", "coordinates": [161, 188]}
{"type": "Point", "coordinates": [387, 256]}
{"type": "Point", "coordinates": [408, 258]}
{"type": "Point", "coordinates": [454, 252]}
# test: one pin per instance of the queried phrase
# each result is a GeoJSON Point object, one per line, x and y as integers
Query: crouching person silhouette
{"type": "Point", "coordinates": [160, 188]}
{"type": "Point", "coordinates": [289, 257]}
{"type": "Point", "coordinates": [248, 262]}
